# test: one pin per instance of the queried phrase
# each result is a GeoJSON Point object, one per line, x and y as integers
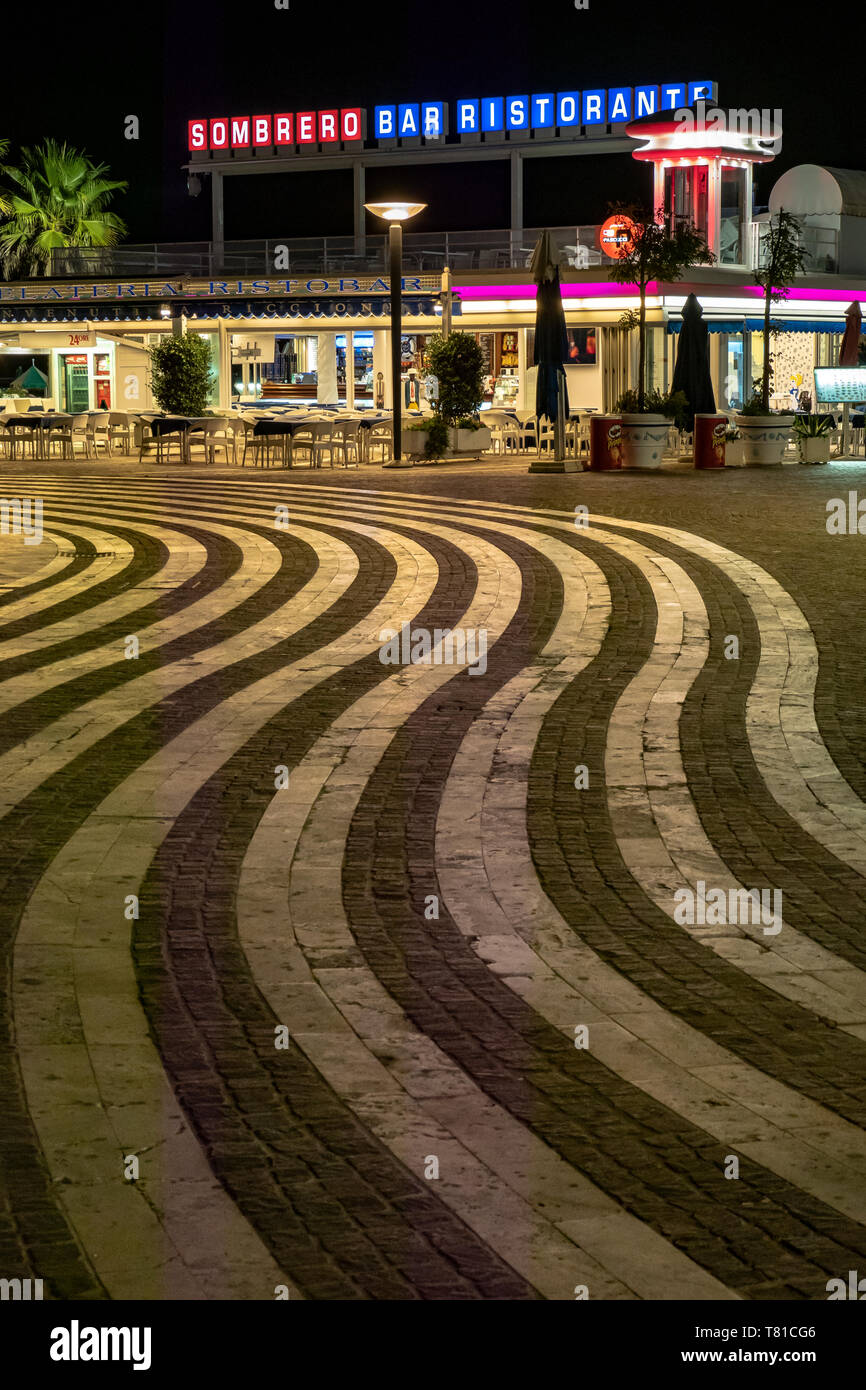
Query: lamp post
{"type": "Point", "coordinates": [446, 301]}
{"type": "Point", "coordinates": [395, 214]}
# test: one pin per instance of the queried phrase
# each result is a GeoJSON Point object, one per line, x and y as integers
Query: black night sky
{"type": "Point", "coordinates": [207, 57]}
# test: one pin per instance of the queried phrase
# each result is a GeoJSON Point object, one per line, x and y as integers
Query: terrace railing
{"type": "Point", "coordinates": [290, 257]}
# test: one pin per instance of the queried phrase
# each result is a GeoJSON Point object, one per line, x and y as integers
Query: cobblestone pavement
{"type": "Point", "coordinates": [347, 979]}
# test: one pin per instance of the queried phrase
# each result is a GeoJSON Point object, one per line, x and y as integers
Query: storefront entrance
{"type": "Point", "coordinates": [75, 383]}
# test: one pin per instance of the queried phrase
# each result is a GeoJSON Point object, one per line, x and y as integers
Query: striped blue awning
{"type": "Point", "coordinates": [757, 325]}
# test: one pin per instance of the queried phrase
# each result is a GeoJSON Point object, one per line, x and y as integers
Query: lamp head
{"type": "Point", "coordinates": [394, 210]}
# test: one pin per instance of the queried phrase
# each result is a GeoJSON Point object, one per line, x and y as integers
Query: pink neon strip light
{"type": "Point", "coordinates": [603, 289]}
{"type": "Point", "coordinates": [596, 289]}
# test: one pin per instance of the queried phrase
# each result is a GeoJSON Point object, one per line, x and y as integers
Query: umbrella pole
{"type": "Point", "coordinates": [846, 430]}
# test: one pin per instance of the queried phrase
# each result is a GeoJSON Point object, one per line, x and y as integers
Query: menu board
{"type": "Point", "coordinates": [485, 342]}
{"type": "Point", "coordinates": [836, 385]}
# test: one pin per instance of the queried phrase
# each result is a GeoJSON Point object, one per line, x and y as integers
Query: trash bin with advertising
{"type": "Point", "coordinates": [605, 442]}
{"type": "Point", "coordinates": [710, 441]}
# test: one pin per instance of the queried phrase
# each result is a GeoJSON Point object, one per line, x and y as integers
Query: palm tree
{"type": "Point", "coordinates": [59, 199]}
{"type": "Point", "coordinates": [5, 204]}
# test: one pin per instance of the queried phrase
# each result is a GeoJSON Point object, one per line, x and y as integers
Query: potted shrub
{"type": "Point", "coordinates": [812, 433]}
{"type": "Point", "coordinates": [456, 362]}
{"type": "Point", "coordinates": [428, 438]}
{"type": "Point", "coordinates": [652, 252]}
{"type": "Point", "coordinates": [765, 433]}
{"type": "Point", "coordinates": [181, 374]}
{"type": "Point", "coordinates": [646, 439]}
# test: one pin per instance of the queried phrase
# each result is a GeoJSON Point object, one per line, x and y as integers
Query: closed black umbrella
{"type": "Point", "coordinates": [551, 341]}
{"type": "Point", "coordinates": [692, 371]}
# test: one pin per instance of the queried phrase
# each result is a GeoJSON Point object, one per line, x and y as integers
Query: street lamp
{"type": "Point", "coordinates": [395, 213]}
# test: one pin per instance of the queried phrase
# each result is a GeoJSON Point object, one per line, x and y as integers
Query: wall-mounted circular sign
{"type": "Point", "coordinates": [616, 236]}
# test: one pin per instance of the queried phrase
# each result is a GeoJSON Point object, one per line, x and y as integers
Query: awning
{"type": "Point", "coordinates": [757, 325]}
{"type": "Point", "coordinates": [352, 307]}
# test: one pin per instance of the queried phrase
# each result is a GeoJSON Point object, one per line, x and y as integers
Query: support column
{"type": "Point", "coordinates": [714, 209]}
{"type": "Point", "coordinates": [521, 369]}
{"type": "Point", "coordinates": [218, 232]}
{"type": "Point", "coordinates": [516, 162]}
{"type": "Point", "coordinates": [326, 369]}
{"type": "Point", "coordinates": [381, 363]}
{"type": "Point", "coordinates": [350, 370]}
{"type": "Point", "coordinates": [359, 178]}
{"type": "Point", "coordinates": [225, 364]}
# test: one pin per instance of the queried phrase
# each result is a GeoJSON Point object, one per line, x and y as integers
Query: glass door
{"type": "Point", "coordinates": [75, 383]}
{"type": "Point", "coordinates": [102, 380]}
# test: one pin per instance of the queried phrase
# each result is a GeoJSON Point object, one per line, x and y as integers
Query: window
{"type": "Point", "coordinates": [732, 232]}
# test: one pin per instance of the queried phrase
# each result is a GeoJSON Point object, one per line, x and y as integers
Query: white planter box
{"type": "Point", "coordinates": [414, 442]}
{"type": "Point", "coordinates": [734, 453]}
{"type": "Point", "coordinates": [764, 438]}
{"type": "Point", "coordinates": [460, 442]}
{"type": "Point", "coordinates": [470, 441]}
{"type": "Point", "coordinates": [814, 449]}
{"type": "Point", "coordinates": [644, 440]}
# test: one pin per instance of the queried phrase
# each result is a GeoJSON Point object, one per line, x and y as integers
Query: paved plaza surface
{"type": "Point", "coordinates": [351, 979]}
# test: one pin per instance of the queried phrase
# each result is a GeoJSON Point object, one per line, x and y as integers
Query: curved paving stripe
{"type": "Point", "coordinates": [489, 884]}
{"type": "Point", "coordinates": [321, 1203]}
{"type": "Point", "coordinates": [24, 766]}
{"type": "Point", "coordinates": [658, 830]}
{"type": "Point", "coordinates": [780, 714]}
{"type": "Point", "coordinates": [388, 1073]}
{"type": "Point", "coordinates": [184, 558]}
{"type": "Point", "coordinates": [138, 839]}
{"type": "Point", "coordinates": [260, 562]}
{"type": "Point", "coordinates": [129, 559]}
{"type": "Point", "coordinates": [396, 941]}
{"type": "Point", "coordinates": [758, 839]}
{"type": "Point", "coordinates": [37, 831]}
{"type": "Point", "coordinates": [26, 567]}
{"type": "Point", "coordinates": [106, 557]}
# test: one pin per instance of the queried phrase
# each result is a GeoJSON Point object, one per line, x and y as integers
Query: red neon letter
{"type": "Point", "coordinates": [219, 133]}
{"type": "Point", "coordinates": [350, 123]}
{"type": "Point", "coordinates": [328, 127]}
{"type": "Point", "coordinates": [306, 127]}
{"type": "Point", "coordinates": [283, 127]}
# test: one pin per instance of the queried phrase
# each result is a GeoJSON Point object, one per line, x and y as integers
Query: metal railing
{"type": "Point", "coordinates": [289, 257]}
{"type": "Point", "coordinates": [820, 246]}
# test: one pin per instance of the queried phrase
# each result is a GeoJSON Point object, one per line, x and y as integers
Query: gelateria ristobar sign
{"type": "Point", "coordinates": [36, 291]}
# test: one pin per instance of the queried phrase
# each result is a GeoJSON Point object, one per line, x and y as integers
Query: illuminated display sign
{"type": "Point", "coordinates": [616, 236]}
{"type": "Point", "coordinates": [210, 289]}
{"type": "Point", "coordinates": [429, 120]}
{"type": "Point", "coordinates": [836, 385]}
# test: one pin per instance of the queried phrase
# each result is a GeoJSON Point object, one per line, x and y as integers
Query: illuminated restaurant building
{"type": "Point", "coordinates": [308, 319]}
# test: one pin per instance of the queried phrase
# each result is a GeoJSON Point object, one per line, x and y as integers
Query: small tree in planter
{"type": "Point", "coordinates": [652, 253]}
{"type": "Point", "coordinates": [180, 374]}
{"type": "Point", "coordinates": [457, 363]}
{"type": "Point", "coordinates": [765, 435]}
{"type": "Point", "coordinates": [784, 261]}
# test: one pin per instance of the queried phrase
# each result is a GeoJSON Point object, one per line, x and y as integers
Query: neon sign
{"type": "Point", "coordinates": [428, 120]}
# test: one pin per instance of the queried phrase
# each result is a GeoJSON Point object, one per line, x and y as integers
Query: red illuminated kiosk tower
{"type": "Point", "coordinates": [702, 158]}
